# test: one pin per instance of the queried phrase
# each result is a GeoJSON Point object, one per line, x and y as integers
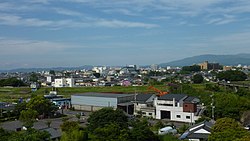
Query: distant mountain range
{"type": "Point", "coordinates": [87, 67]}
{"type": "Point", "coordinates": [243, 59]}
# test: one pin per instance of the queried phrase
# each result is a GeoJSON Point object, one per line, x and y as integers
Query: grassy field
{"type": "Point", "coordinates": [8, 94]}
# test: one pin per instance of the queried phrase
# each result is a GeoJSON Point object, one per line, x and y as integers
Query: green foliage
{"type": "Point", "coordinates": [75, 135]}
{"type": "Point", "coordinates": [159, 124]}
{"type": "Point", "coordinates": [230, 105]}
{"type": "Point", "coordinates": [33, 77]}
{"type": "Point", "coordinates": [194, 68]}
{"type": "Point", "coordinates": [232, 75]}
{"type": "Point", "coordinates": [11, 82]}
{"type": "Point", "coordinates": [141, 132]}
{"type": "Point", "coordinates": [227, 129]}
{"type": "Point", "coordinates": [41, 105]}
{"type": "Point", "coordinates": [28, 116]}
{"type": "Point", "coordinates": [168, 137]}
{"type": "Point", "coordinates": [106, 116]}
{"type": "Point", "coordinates": [19, 107]}
{"type": "Point", "coordinates": [212, 87]}
{"type": "Point", "coordinates": [4, 135]}
{"type": "Point", "coordinates": [197, 78]}
{"type": "Point", "coordinates": [28, 135]}
{"type": "Point", "coordinates": [183, 128]}
{"type": "Point", "coordinates": [111, 132]}
{"type": "Point", "coordinates": [68, 126]}
{"type": "Point", "coordinates": [52, 72]}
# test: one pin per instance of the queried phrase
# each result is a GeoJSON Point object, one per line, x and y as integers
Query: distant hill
{"type": "Point", "coordinates": [243, 59]}
{"type": "Point", "coordinates": [87, 67]}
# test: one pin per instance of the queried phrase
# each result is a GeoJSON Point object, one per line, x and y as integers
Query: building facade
{"type": "Point", "coordinates": [209, 66]}
{"type": "Point", "coordinates": [177, 107]}
{"type": "Point", "coordinates": [64, 82]}
{"type": "Point", "coordinates": [144, 105]}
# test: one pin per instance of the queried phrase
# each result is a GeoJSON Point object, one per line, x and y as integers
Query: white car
{"type": "Point", "coordinates": [167, 130]}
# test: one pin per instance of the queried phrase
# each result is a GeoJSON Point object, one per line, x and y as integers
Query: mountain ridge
{"type": "Point", "coordinates": [230, 60]}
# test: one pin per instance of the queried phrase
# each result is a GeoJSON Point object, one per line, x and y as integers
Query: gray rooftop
{"type": "Point", "coordinates": [143, 97]}
{"type": "Point", "coordinates": [53, 132]}
{"type": "Point", "coordinates": [109, 95]}
{"type": "Point", "coordinates": [177, 97]}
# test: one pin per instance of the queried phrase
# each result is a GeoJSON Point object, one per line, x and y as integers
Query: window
{"type": "Point", "coordinates": [178, 116]}
{"type": "Point", "coordinates": [150, 114]}
{"type": "Point", "coordinates": [187, 117]}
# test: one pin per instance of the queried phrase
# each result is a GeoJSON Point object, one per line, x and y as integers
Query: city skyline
{"type": "Point", "coordinates": [47, 33]}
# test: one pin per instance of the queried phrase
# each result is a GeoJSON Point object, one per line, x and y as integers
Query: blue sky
{"type": "Point", "coordinates": [52, 33]}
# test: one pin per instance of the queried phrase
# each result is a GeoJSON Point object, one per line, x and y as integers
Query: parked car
{"type": "Point", "coordinates": [167, 130]}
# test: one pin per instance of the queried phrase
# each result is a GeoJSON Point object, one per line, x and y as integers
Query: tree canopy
{"type": "Point", "coordinates": [41, 105]}
{"type": "Point", "coordinates": [194, 68]}
{"type": "Point", "coordinates": [232, 75]}
{"type": "Point", "coordinates": [227, 129]}
{"type": "Point", "coordinates": [12, 82]}
{"type": "Point", "coordinates": [106, 116]}
{"type": "Point", "coordinates": [197, 78]}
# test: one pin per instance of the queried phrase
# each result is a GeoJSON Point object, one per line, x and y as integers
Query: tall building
{"type": "Point", "coordinates": [209, 66]}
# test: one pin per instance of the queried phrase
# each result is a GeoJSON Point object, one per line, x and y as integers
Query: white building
{"type": "Point", "coordinates": [177, 107]}
{"type": "Point", "coordinates": [64, 82]}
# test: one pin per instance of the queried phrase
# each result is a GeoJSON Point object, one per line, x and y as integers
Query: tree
{"type": "Point", "coordinates": [4, 135]}
{"type": "Point", "coordinates": [73, 132]}
{"type": "Point", "coordinates": [41, 105]}
{"type": "Point", "coordinates": [33, 77]}
{"type": "Point", "coordinates": [227, 129]}
{"type": "Point", "coordinates": [232, 75]}
{"type": "Point", "coordinates": [29, 135]}
{"type": "Point", "coordinates": [106, 116]}
{"type": "Point", "coordinates": [230, 105]}
{"type": "Point", "coordinates": [141, 132]}
{"type": "Point", "coordinates": [198, 78]}
{"type": "Point", "coordinates": [28, 117]}
{"type": "Point", "coordinates": [69, 126]}
{"type": "Point", "coordinates": [11, 82]}
{"type": "Point", "coordinates": [18, 108]}
{"type": "Point", "coordinates": [111, 132]}
{"type": "Point", "coordinates": [75, 135]}
{"type": "Point", "coordinates": [194, 68]}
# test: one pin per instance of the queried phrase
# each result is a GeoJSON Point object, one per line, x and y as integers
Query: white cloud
{"type": "Point", "coordinates": [21, 46]}
{"type": "Point", "coordinates": [121, 24]}
{"type": "Point", "coordinates": [13, 20]}
{"type": "Point", "coordinates": [67, 12]}
{"type": "Point", "coordinates": [122, 11]}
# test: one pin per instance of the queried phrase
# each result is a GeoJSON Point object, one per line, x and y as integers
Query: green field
{"type": "Point", "coordinates": [13, 94]}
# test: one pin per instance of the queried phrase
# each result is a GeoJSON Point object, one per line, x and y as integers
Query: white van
{"type": "Point", "coordinates": [167, 130]}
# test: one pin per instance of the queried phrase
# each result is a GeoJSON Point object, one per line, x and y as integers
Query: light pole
{"type": "Point", "coordinates": [212, 106]}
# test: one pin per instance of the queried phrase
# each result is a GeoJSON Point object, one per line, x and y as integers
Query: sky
{"type": "Point", "coordinates": [67, 33]}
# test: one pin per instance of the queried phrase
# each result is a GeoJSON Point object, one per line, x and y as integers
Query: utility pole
{"type": "Point", "coordinates": [212, 105]}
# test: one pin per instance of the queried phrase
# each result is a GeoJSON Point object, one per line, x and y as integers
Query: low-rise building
{"type": "Point", "coordinates": [94, 101]}
{"type": "Point", "coordinates": [64, 82]}
{"type": "Point", "coordinates": [178, 107]}
{"type": "Point", "coordinates": [144, 105]}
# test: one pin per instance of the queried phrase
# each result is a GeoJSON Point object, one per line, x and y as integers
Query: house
{"type": "Point", "coordinates": [178, 107]}
{"type": "Point", "coordinates": [39, 125]}
{"type": "Point", "coordinates": [144, 104]}
{"type": "Point", "coordinates": [198, 132]}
